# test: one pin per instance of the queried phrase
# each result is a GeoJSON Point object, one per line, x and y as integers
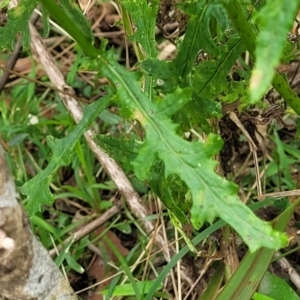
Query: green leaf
{"type": "Point", "coordinates": [71, 19]}
{"type": "Point", "coordinates": [212, 195]}
{"type": "Point", "coordinates": [134, 285]}
{"type": "Point", "coordinates": [74, 264]}
{"type": "Point", "coordinates": [75, 13]}
{"type": "Point", "coordinates": [209, 79]}
{"type": "Point", "coordinates": [198, 34]}
{"type": "Point", "coordinates": [247, 32]}
{"type": "Point", "coordinates": [172, 192]}
{"type": "Point", "coordinates": [144, 17]}
{"type": "Point", "coordinates": [164, 73]}
{"type": "Point", "coordinates": [17, 21]}
{"type": "Point", "coordinates": [126, 289]}
{"type": "Point", "coordinates": [275, 19]}
{"type": "Point", "coordinates": [37, 189]}
{"type": "Point", "coordinates": [258, 296]}
{"type": "Point", "coordinates": [276, 288]}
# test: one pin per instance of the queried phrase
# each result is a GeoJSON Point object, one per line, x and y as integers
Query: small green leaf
{"type": "Point", "coordinates": [274, 20]}
{"type": "Point", "coordinates": [74, 264]}
{"type": "Point", "coordinates": [164, 73]}
{"type": "Point", "coordinates": [198, 36]}
{"type": "Point", "coordinates": [37, 189]}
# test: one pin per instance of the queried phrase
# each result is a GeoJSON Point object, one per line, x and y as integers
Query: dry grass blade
{"type": "Point", "coordinates": [279, 194]}
{"type": "Point", "coordinates": [252, 146]}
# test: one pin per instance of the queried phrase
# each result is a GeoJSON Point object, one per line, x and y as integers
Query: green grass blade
{"type": "Point", "coordinates": [125, 266]}
{"type": "Point", "coordinates": [214, 284]}
{"type": "Point", "coordinates": [128, 290]}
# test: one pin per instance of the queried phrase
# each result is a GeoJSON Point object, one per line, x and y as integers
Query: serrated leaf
{"type": "Point", "coordinates": [237, 90]}
{"type": "Point", "coordinates": [198, 34]}
{"type": "Point", "coordinates": [17, 21]}
{"type": "Point", "coordinates": [209, 79]}
{"type": "Point", "coordinates": [275, 19]}
{"type": "Point", "coordinates": [164, 73]}
{"type": "Point", "coordinates": [212, 195]}
{"type": "Point", "coordinates": [143, 15]}
{"type": "Point", "coordinates": [196, 113]}
{"type": "Point", "coordinates": [248, 35]}
{"type": "Point", "coordinates": [37, 189]}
